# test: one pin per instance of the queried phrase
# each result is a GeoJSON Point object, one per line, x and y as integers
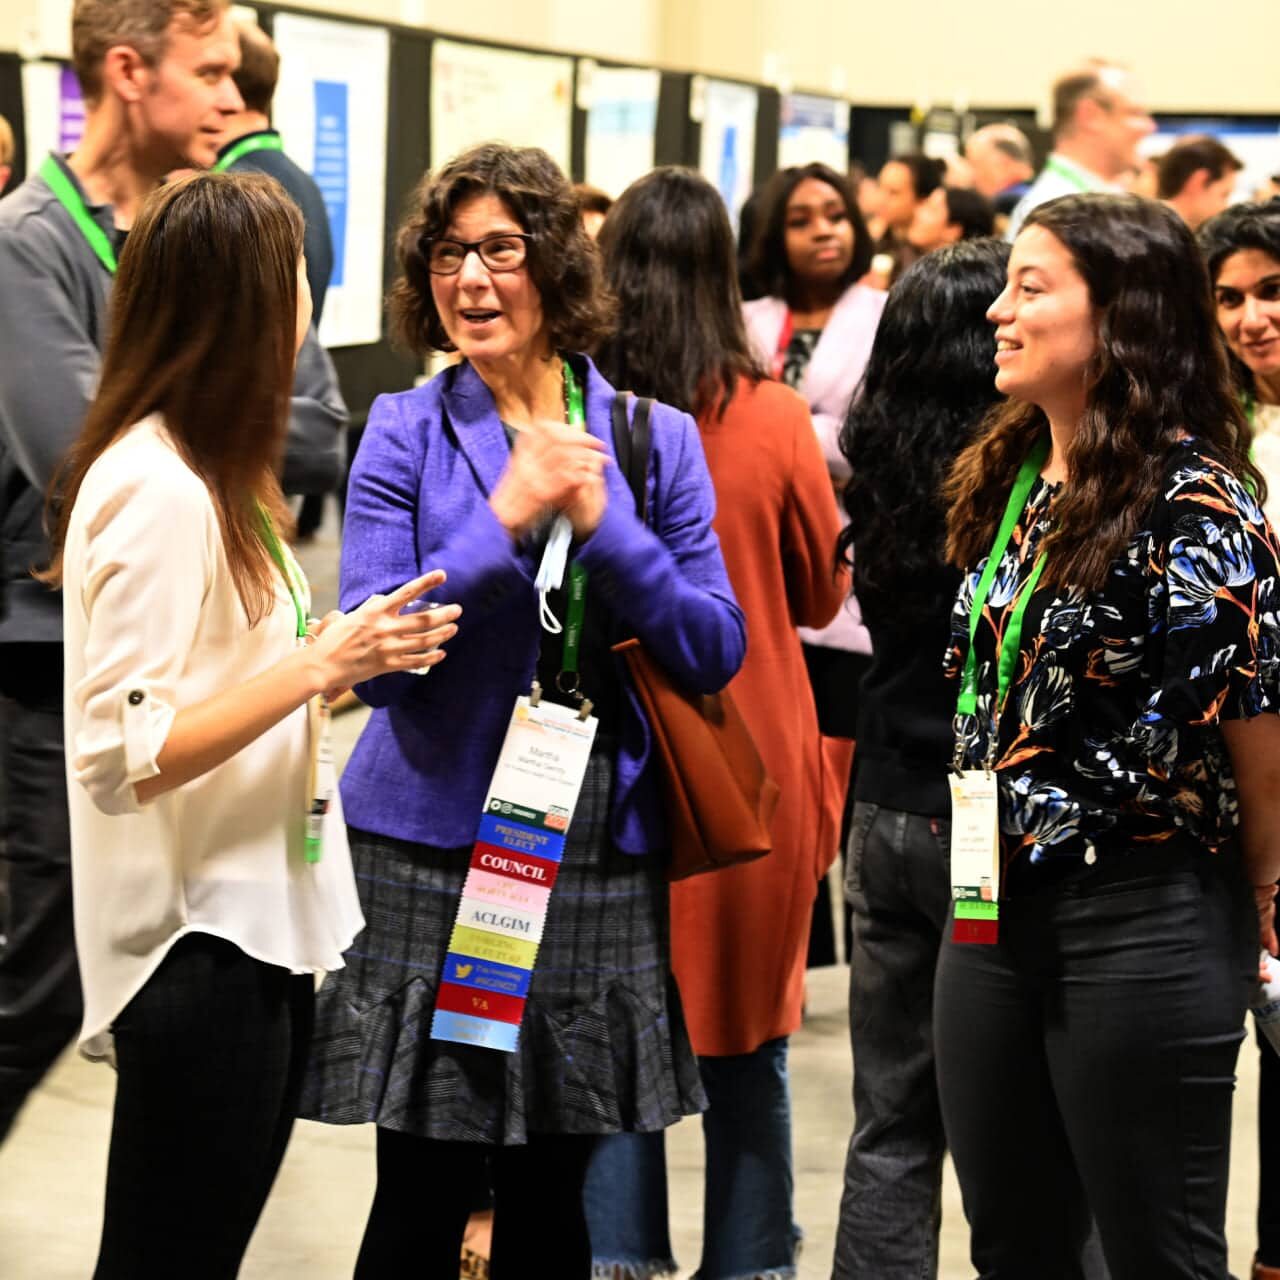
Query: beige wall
{"type": "Point", "coordinates": [1190, 54]}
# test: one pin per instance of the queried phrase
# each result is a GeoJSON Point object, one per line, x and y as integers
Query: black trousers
{"type": "Point", "coordinates": [1086, 1064]}
{"type": "Point", "coordinates": [426, 1192]}
{"type": "Point", "coordinates": [40, 1001]}
{"type": "Point", "coordinates": [211, 1054]}
{"type": "Point", "coordinates": [1268, 1154]}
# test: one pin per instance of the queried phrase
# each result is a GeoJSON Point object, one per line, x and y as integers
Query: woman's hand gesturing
{"type": "Point", "coordinates": [377, 638]}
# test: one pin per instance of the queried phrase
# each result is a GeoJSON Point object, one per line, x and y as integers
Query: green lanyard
{"type": "Point", "coordinates": [967, 702]}
{"type": "Point", "coordinates": [1250, 407]}
{"type": "Point", "coordinates": [246, 147]}
{"type": "Point", "coordinates": [1068, 173]}
{"type": "Point", "coordinates": [297, 590]}
{"type": "Point", "coordinates": [73, 202]}
{"type": "Point", "coordinates": [577, 611]}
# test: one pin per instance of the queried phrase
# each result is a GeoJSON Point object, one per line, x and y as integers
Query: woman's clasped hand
{"type": "Point", "coordinates": [553, 468]}
{"type": "Point", "coordinates": [380, 637]}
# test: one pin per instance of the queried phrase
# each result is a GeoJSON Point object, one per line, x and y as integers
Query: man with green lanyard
{"type": "Point", "coordinates": [156, 76]}
{"type": "Point", "coordinates": [251, 144]}
{"type": "Point", "coordinates": [1098, 122]}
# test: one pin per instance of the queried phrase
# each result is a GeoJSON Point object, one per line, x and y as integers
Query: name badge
{"type": "Point", "coordinates": [527, 813]}
{"type": "Point", "coordinates": [975, 856]}
{"type": "Point", "coordinates": [322, 777]}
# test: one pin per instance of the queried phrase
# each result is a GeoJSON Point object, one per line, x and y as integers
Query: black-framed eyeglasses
{"type": "Point", "coordinates": [502, 251]}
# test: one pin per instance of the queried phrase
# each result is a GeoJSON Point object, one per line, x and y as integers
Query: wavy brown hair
{"type": "Point", "coordinates": [203, 333]}
{"type": "Point", "coordinates": [1159, 371]}
{"type": "Point", "coordinates": [563, 262]}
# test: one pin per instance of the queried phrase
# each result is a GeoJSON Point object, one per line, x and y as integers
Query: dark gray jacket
{"type": "Point", "coordinates": [318, 240]}
{"type": "Point", "coordinates": [53, 310]}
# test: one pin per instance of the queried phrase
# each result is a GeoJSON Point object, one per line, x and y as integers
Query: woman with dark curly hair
{"type": "Point", "coordinates": [492, 471]}
{"type": "Point", "coordinates": [1241, 247]}
{"type": "Point", "coordinates": [1116, 656]}
{"type": "Point", "coordinates": [927, 387]}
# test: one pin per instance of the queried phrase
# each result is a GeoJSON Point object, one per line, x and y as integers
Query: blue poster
{"type": "Point", "coordinates": [331, 166]}
{"type": "Point", "coordinates": [728, 181]}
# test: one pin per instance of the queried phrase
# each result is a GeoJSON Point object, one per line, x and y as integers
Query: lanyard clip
{"type": "Point", "coordinates": [535, 694]}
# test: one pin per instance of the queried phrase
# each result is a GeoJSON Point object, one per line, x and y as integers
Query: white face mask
{"type": "Point", "coordinates": [551, 571]}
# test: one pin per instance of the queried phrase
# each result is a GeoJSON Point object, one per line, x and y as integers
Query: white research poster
{"type": "Point", "coordinates": [497, 95]}
{"type": "Point", "coordinates": [331, 110]}
{"type": "Point", "coordinates": [622, 119]}
{"type": "Point", "coordinates": [727, 113]}
{"type": "Point", "coordinates": [814, 128]}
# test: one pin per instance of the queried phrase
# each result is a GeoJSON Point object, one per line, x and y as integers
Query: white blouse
{"type": "Point", "coordinates": [152, 623]}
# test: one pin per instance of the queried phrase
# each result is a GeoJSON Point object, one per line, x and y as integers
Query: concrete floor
{"type": "Point", "coordinates": [52, 1169]}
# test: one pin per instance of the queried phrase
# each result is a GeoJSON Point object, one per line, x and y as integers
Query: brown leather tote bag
{"type": "Point", "coordinates": [720, 800]}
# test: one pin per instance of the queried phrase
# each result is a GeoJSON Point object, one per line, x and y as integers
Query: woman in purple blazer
{"type": "Point", "coordinates": [469, 473]}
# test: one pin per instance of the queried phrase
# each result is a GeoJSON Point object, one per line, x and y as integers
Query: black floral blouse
{"type": "Point", "coordinates": [1110, 739]}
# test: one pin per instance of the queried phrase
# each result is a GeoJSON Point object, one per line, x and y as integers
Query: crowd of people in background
{"type": "Point", "coordinates": [957, 479]}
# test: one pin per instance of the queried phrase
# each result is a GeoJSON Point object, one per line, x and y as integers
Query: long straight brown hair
{"type": "Point", "coordinates": [202, 332]}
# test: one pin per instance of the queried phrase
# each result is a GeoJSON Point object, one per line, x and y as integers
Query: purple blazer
{"type": "Point", "coordinates": [418, 500]}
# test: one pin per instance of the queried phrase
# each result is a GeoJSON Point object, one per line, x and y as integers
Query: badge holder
{"type": "Point", "coordinates": [975, 851]}
{"type": "Point", "coordinates": [322, 776]}
{"type": "Point", "coordinates": [527, 813]}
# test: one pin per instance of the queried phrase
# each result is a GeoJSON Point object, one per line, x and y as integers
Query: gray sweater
{"type": "Point", "coordinates": [53, 310]}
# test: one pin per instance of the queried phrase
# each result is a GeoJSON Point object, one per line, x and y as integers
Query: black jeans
{"type": "Point", "coordinates": [1086, 1063]}
{"type": "Point", "coordinates": [211, 1054]}
{"type": "Point", "coordinates": [40, 1001]}
{"type": "Point", "coordinates": [1268, 1154]}
{"type": "Point", "coordinates": [426, 1191]}
{"type": "Point", "coordinates": [897, 884]}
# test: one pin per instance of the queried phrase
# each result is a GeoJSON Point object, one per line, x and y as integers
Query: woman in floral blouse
{"type": "Point", "coordinates": [1086, 1055]}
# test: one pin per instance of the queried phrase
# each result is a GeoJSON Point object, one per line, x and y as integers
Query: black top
{"type": "Point", "coordinates": [317, 242]}
{"type": "Point", "coordinates": [795, 359]}
{"type": "Point", "coordinates": [906, 707]}
{"type": "Point", "coordinates": [1111, 739]}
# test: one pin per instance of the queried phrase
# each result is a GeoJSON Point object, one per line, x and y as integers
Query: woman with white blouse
{"type": "Point", "coordinates": [210, 866]}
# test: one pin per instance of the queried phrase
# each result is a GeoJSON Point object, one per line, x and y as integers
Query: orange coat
{"type": "Point", "coordinates": [739, 937]}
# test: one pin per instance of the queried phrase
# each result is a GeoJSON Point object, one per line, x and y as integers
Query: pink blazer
{"type": "Point", "coordinates": [829, 384]}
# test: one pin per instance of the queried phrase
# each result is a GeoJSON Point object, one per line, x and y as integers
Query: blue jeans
{"type": "Point", "coordinates": [748, 1230]}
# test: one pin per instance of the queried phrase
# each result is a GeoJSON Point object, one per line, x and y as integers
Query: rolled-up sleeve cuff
{"type": "Point", "coordinates": [111, 757]}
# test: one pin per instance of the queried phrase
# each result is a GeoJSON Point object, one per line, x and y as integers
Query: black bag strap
{"type": "Point", "coordinates": [631, 445]}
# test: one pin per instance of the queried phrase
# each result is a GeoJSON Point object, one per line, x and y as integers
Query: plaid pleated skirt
{"type": "Point", "coordinates": [603, 1045]}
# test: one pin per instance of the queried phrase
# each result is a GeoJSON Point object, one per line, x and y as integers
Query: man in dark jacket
{"type": "Point", "coordinates": [251, 143]}
{"type": "Point", "coordinates": [156, 76]}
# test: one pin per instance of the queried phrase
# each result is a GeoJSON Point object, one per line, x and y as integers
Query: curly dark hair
{"type": "Point", "coordinates": [1243, 226]}
{"type": "Point", "coordinates": [767, 263]}
{"type": "Point", "coordinates": [927, 387]}
{"type": "Point", "coordinates": [1159, 370]}
{"type": "Point", "coordinates": [563, 263]}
